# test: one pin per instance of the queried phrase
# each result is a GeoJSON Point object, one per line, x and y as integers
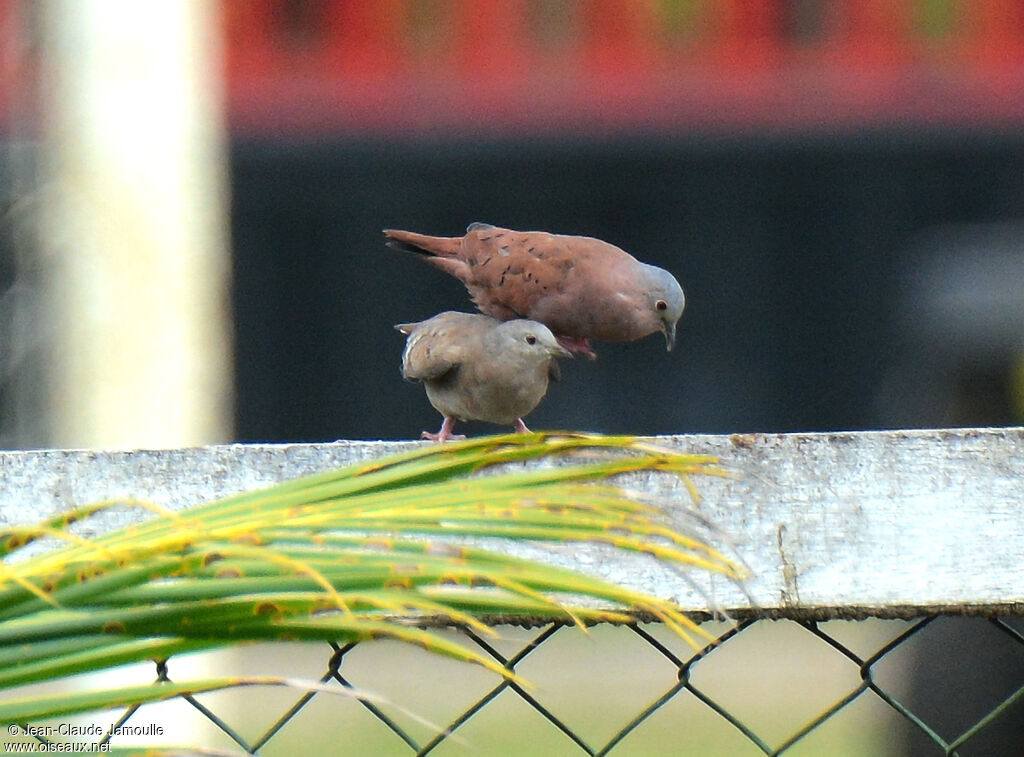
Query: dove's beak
{"type": "Point", "coordinates": [561, 351]}
{"type": "Point", "coordinates": [669, 329]}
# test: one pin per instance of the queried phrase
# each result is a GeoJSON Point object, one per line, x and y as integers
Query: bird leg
{"type": "Point", "coordinates": [578, 346]}
{"type": "Point", "coordinates": [445, 433]}
{"type": "Point", "coordinates": [521, 428]}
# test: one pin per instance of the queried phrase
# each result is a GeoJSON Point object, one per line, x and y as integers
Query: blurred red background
{"type": "Point", "coordinates": [499, 65]}
{"type": "Point", "coordinates": [494, 66]}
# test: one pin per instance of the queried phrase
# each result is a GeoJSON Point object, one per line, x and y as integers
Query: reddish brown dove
{"type": "Point", "coordinates": [476, 368]}
{"type": "Point", "coordinates": [579, 287]}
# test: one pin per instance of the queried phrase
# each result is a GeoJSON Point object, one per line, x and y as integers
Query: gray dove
{"type": "Point", "coordinates": [579, 287]}
{"type": "Point", "coordinates": [477, 368]}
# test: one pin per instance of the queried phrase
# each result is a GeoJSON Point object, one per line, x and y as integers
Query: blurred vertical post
{"type": "Point", "coordinates": [134, 223]}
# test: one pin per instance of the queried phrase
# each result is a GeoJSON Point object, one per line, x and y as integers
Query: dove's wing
{"type": "Point", "coordinates": [511, 274]}
{"type": "Point", "coordinates": [439, 345]}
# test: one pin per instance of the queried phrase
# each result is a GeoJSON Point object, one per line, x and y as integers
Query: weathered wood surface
{"type": "Point", "coordinates": [889, 523]}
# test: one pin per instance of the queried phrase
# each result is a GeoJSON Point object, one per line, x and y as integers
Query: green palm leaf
{"type": "Point", "coordinates": [369, 551]}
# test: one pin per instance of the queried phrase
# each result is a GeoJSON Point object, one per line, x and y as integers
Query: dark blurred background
{"type": "Point", "coordinates": [799, 257]}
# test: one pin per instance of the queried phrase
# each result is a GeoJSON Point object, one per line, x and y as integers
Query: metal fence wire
{"type": "Point", "coordinates": [938, 685]}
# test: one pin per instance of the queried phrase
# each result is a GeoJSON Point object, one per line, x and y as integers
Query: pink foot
{"type": "Point", "coordinates": [445, 432]}
{"type": "Point", "coordinates": [578, 346]}
{"type": "Point", "coordinates": [521, 427]}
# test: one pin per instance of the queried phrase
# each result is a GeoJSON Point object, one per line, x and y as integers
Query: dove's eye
{"type": "Point", "coordinates": [661, 305]}
{"type": "Point", "coordinates": [531, 339]}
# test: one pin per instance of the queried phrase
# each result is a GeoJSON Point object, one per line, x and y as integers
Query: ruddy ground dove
{"type": "Point", "coordinates": [477, 368]}
{"type": "Point", "coordinates": [579, 287]}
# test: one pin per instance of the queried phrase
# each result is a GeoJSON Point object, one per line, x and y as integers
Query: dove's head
{"type": "Point", "coordinates": [666, 302]}
{"type": "Point", "coordinates": [529, 341]}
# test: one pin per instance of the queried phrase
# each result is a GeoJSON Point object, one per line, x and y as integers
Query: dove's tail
{"type": "Point", "coordinates": [421, 244]}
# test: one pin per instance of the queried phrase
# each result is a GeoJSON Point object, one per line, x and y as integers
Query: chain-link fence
{"type": "Point", "coordinates": [880, 687]}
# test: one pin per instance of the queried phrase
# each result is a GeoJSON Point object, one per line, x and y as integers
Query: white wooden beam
{"type": "Point", "coordinates": [886, 523]}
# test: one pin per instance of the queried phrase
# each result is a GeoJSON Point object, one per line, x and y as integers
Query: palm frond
{"type": "Point", "coordinates": [373, 550]}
